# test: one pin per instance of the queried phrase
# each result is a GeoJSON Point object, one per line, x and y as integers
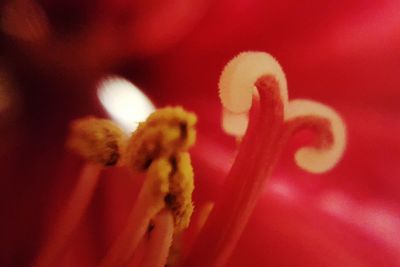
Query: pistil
{"type": "Point", "coordinates": [257, 156]}
{"type": "Point", "coordinates": [273, 119]}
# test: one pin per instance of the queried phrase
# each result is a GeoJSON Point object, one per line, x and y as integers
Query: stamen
{"type": "Point", "coordinates": [150, 202]}
{"type": "Point", "coordinates": [98, 142]}
{"type": "Point", "coordinates": [194, 230]}
{"type": "Point", "coordinates": [180, 202]}
{"type": "Point", "coordinates": [168, 133]}
{"type": "Point", "coordinates": [175, 250]}
{"type": "Point", "coordinates": [272, 121]}
{"type": "Point", "coordinates": [141, 250]}
{"type": "Point", "coordinates": [158, 147]}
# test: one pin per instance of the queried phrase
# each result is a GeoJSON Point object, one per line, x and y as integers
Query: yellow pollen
{"type": "Point", "coordinates": [159, 147]}
{"type": "Point", "coordinates": [172, 184]}
{"type": "Point", "coordinates": [166, 132]}
{"type": "Point", "coordinates": [181, 186]}
{"type": "Point", "coordinates": [96, 140]}
{"type": "Point", "coordinates": [158, 173]}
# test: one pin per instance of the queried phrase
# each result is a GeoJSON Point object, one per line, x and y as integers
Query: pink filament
{"type": "Point", "coordinates": [157, 248]}
{"type": "Point", "coordinates": [136, 226]}
{"type": "Point", "coordinates": [72, 215]}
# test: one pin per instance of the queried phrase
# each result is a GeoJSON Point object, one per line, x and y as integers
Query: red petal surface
{"type": "Point", "coordinates": [342, 53]}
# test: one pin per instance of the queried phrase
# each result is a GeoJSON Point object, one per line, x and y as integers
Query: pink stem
{"type": "Point", "coordinates": [257, 155]}
{"type": "Point", "coordinates": [139, 254]}
{"type": "Point", "coordinates": [160, 241]}
{"type": "Point", "coordinates": [144, 209]}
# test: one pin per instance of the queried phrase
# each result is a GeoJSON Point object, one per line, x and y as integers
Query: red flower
{"type": "Point", "coordinates": [343, 54]}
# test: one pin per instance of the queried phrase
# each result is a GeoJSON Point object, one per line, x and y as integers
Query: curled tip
{"type": "Point", "coordinates": [164, 133]}
{"type": "Point", "coordinates": [236, 84]}
{"type": "Point", "coordinates": [234, 123]}
{"type": "Point", "coordinates": [96, 140]}
{"type": "Point", "coordinates": [331, 129]}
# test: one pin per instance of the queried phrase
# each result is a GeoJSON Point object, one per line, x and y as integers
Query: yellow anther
{"type": "Point", "coordinates": [97, 140]}
{"type": "Point", "coordinates": [181, 185]}
{"type": "Point", "coordinates": [158, 148]}
{"type": "Point", "coordinates": [170, 183]}
{"type": "Point", "coordinates": [157, 179]}
{"type": "Point", "coordinates": [166, 132]}
{"type": "Point", "coordinates": [163, 139]}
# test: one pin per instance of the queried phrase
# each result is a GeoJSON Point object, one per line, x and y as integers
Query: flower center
{"type": "Point", "coordinates": [257, 111]}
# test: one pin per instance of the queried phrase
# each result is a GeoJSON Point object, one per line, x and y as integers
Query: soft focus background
{"type": "Point", "coordinates": [343, 53]}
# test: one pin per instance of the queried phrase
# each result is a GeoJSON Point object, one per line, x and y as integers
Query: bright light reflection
{"type": "Point", "coordinates": [378, 221]}
{"type": "Point", "coordinates": [125, 103]}
{"type": "Point", "coordinates": [282, 189]}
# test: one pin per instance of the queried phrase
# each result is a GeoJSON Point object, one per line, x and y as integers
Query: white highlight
{"type": "Point", "coordinates": [376, 220]}
{"type": "Point", "coordinates": [282, 189]}
{"type": "Point", "coordinates": [124, 102]}
{"type": "Point", "coordinates": [314, 159]}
